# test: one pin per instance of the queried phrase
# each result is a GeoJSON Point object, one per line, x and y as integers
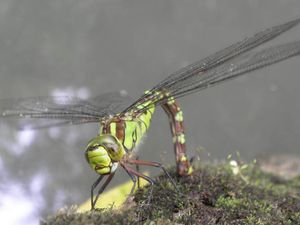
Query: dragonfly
{"type": "Point", "coordinates": [123, 125]}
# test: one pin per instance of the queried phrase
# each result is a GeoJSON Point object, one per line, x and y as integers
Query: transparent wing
{"type": "Point", "coordinates": [227, 54]}
{"type": "Point", "coordinates": [230, 62]}
{"type": "Point", "coordinates": [244, 64]}
{"type": "Point", "coordinates": [62, 110]}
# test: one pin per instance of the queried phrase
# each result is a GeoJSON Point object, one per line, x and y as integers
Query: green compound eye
{"type": "Point", "coordinates": [98, 159]}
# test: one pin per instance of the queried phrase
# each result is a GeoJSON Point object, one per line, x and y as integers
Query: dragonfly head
{"type": "Point", "coordinates": [103, 153]}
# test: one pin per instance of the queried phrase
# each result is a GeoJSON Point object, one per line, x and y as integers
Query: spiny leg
{"type": "Point", "coordinates": [175, 115]}
{"type": "Point", "coordinates": [100, 191]}
{"type": "Point", "coordinates": [154, 164]}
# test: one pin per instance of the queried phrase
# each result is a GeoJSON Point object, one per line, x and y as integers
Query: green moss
{"type": "Point", "coordinates": [225, 193]}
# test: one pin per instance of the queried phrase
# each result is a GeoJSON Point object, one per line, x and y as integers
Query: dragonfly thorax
{"type": "Point", "coordinates": [103, 153]}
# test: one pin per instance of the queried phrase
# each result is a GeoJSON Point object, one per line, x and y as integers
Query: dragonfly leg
{"type": "Point", "coordinates": [133, 178]}
{"type": "Point", "coordinates": [94, 185]}
{"type": "Point", "coordinates": [175, 115]}
{"type": "Point", "coordinates": [155, 164]}
{"type": "Point", "coordinates": [100, 191]}
{"type": "Point", "coordinates": [138, 169]}
{"type": "Point", "coordinates": [131, 171]}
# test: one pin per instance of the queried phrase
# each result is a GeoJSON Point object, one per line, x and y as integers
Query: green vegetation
{"type": "Point", "coordinates": [226, 193]}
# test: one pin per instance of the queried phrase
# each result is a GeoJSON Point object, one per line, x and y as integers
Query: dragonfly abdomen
{"type": "Point", "coordinates": [175, 115]}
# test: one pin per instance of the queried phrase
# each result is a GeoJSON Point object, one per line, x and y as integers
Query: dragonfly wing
{"type": "Point", "coordinates": [227, 54]}
{"type": "Point", "coordinates": [244, 64]}
{"type": "Point", "coordinates": [225, 64]}
{"type": "Point", "coordinates": [112, 103]}
{"type": "Point", "coordinates": [61, 110]}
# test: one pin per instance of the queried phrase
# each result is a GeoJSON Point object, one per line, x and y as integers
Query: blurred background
{"type": "Point", "coordinates": [85, 48]}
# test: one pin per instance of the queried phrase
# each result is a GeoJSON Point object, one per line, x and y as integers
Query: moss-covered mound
{"type": "Point", "coordinates": [227, 193]}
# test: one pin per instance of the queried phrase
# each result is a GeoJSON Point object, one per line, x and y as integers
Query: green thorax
{"type": "Point", "coordinates": [130, 129]}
